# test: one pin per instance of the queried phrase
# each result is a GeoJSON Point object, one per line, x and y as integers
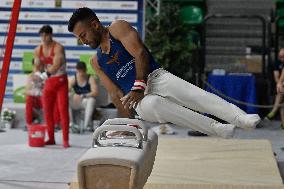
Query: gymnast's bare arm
{"type": "Point", "coordinates": [129, 37]}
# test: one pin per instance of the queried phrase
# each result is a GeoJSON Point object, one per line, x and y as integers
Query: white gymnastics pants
{"type": "Point", "coordinates": [88, 104]}
{"type": "Point", "coordinates": [169, 99]}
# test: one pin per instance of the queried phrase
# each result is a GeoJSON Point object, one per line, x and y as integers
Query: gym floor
{"type": "Point", "coordinates": [52, 167]}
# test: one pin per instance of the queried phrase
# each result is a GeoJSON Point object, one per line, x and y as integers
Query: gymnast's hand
{"type": "Point", "coordinates": [77, 99]}
{"type": "Point", "coordinates": [132, 99]}
{"type": "Point", "coordinates": [280, 88]}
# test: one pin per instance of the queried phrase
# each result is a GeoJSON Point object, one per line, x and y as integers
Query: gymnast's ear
{"type": "Point", "coordinates": [95, 24]}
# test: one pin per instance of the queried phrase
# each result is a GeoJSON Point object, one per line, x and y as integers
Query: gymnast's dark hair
{"type": "Point", "coordinates": [81, 65]}
{"type": "Point", "coordinates": [45, 29]}
{"type": "Point", "coordinates": [81, 14]}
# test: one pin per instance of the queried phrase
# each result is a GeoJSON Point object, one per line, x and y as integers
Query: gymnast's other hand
{"type": "Point", "coordinates": [280, 88]}
{"type": "Point", "coordinates": [132, 99]}
{"type": "Point", "coordinates": [77, 99]}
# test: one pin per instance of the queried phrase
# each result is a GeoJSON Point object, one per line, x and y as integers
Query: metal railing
{"type": "Point", "coordinates": [221, 16]}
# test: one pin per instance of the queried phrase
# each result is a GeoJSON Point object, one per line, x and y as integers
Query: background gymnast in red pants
{"type": "Point", "coordinates": [55, 92]}
{"type": "Point", "coordinates": [34, 87]}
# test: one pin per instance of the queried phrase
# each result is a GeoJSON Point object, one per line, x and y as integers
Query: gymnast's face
{"type": "Point", "coordinates": [81, 72]}
{"type": "Point", "coordinates": [46, 38]}
{"type": "Point", "coordinates": [89, 32]}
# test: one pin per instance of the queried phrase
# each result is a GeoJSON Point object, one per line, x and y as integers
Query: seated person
{"type": "Point", "coordinates": [33, 91]}
{"type": "Point", "coordinates": [278, 67]}
{"type": "Point", "coordinates": [85, 90]}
